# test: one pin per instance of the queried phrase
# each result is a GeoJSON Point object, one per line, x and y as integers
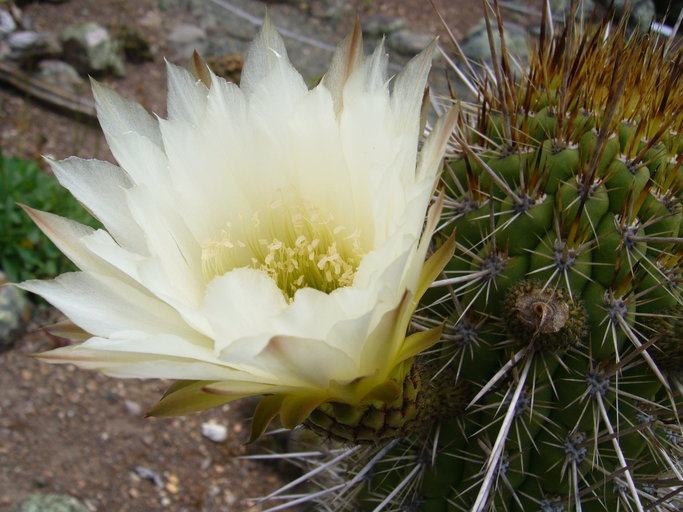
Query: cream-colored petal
{"type": "Point", "coordinates": [239, 304]}
{"type": "Point", "coordinates": [172, 245]}
{"type": "Point", "coordinates": [313, 143]}
{"type": "Point", "coordinates": [101, 187]}
{"type": "Point", "coordinates": [159, 344]}
{"type": "Point", "coordinates": [97, 253]}
{"type": "Point", "coordinates": [435, 145]}
{"type": "Point", "coordinates": [146, 274]}
{"type": "Point", "coordinates": [209, 166]}
{"type": "Point", "coordinates": [409, 85]}
{"type": "Point", "coordinates": [226, 107]}
{"type": "Point", "coordinates": [306, 362]}
{"type": "Point", "coordinates": [264, 52]}
{"type": "Point", "coordinates": [241, 388]}
{"type": "Point", "coordinates": [369, 78]}
{"type": "Point", "coordinates": [143, 161]}
{"type": "Point", "coordinates": [273, 98]}
{"type": "Point", "coordinates": [117, 363]}
{"type": "Point", "coordinates": [344, 305]}
{"type": "Point", "coordinates": [186, 95]}
{"type": "Point", "coordinates": [100, 244]}
{"type": "Point", "coordinates": [103, 306]}
{"type": "Point", "coordinates": [344, 152]}
{"type": "Point", "coordinates": [67, 235]}
{"type": "Point", "coordinates": [379, 353]}
{"type": "Point", "coordinates": [352, 334]}
{"type": "Point", "coordinates": [93, 251]}
{"type": "Point", "coordinates": [347, 58]}
{"type": "Point", "coordinates": [392, 257]}
{"type": "Point", "coordinates": [118, 115]}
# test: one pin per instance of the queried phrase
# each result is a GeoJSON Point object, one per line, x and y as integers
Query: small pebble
{"type": "Point", "coordinates": [7, 23]}
{"type": "Point", "coordinates": [214, 431]}
{"type": "Point", "coordinates": [380, 24]}
{"type": "Point", "coordinates": [133, 408]}
{"type": "Point", "coordinates": [148, 474]}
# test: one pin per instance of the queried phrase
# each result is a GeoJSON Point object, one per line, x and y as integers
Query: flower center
{"type": "Point", "coordinates": [296, 246]}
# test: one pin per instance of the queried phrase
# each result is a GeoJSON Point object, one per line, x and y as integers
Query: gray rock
{"type": "Point", "coordinates": [62, 75]}
{"type": "Point", "coordinates": [167, 5]}
{"type": "Point", "coordinates": [407, 42]}
{"type": "Point", "coordinates": [642, 12]}
{"type": "Point", "coordinates": [196, 7]}
{"type": "Point", "coordinates": [186, 38]}
{"type": "Point", "coordinates": [219, 46]}
{"type": "Point", "coordinates": [27, 44]}
{"type": "Point", "coordinates": [50, 503]}
{"type": "Point", "coordinates": [327, 9]}
{"type": "Point", "coordinates": [475, 44]}
{"type": "Point", "coordinates": [7, 23]}
{"type": "Point", "coordinates": [89, 48]}
{"type": "Point", "coordinates": [563, 8]}
{"type": "Point", "coordinates": [14, 313]}
{"type": "Point", "coordinates": [379, 24]}
{"type": "Point", "coordinates": [151, 19]}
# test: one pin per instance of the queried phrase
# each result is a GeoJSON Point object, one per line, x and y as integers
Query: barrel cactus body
{"type": "Point", "coordinates": [557, 382]}
{"type": "Point", "coordinates": [564, 194]}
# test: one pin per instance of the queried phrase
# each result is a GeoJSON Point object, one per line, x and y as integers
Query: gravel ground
{"type": "Point", "coordinates": [68, 431]}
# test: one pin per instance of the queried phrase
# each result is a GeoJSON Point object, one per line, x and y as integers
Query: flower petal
{"type": "Point", "coordinates": [435, 145]}
{"type": "Point", "coordinates": [143, 161]}
{"type": "Point", "coordinates": [309, 363]}
{"type": "Point", "coordinates": [347, 58]}
{"type": "Point", "coordinates": [187, 397]}
{"type": "Point", "coordinates": [409, 85]}
{"type": "Point", "coordinates": [240, 304]}
{"type": "Point", "coordinates": [101, 187]}
{"type": "Point", "coordinates": [118, 115]}
{"type": "Point", "coordinates": [174, 271]}
{"type": "Point", "coordinates": [327, 176]}
{"type": "Point", "coordinates": [104, 306]}
{"type": "Point", "coordinates": [263, 54]}
{"type": "Point", "coordinates": [266, 410]}
{"type": "Point", "coordinates": [122, 364]}
{"type": "Point", "coordinates": [186, 95]}
{"type": "Point", "coordinates": [66, 234]}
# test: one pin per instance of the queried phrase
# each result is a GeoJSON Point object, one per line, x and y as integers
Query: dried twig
{"type": "Point", "coordinates": [82, 109]}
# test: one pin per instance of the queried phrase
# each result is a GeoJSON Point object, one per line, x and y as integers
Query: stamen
{"type": "Point", "coordinates": [297, 247]}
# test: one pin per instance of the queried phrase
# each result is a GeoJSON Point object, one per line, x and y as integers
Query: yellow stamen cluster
{"type": "Point", "coordinates": [296, 246]}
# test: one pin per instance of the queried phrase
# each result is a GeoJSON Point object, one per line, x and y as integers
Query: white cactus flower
{"type": "Point", "coordinates": [265, 239]}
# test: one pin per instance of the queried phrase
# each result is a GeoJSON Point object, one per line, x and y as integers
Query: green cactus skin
{"type": "Point", "coordinates": [562, 304]}
{"type": "Point", "coordinates": [572, 178]}
{"type": "Point", "coordinates": [410, 413]}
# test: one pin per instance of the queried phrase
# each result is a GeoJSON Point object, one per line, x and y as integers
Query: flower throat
{"type": "Point", "coordinates": [297, 247]}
